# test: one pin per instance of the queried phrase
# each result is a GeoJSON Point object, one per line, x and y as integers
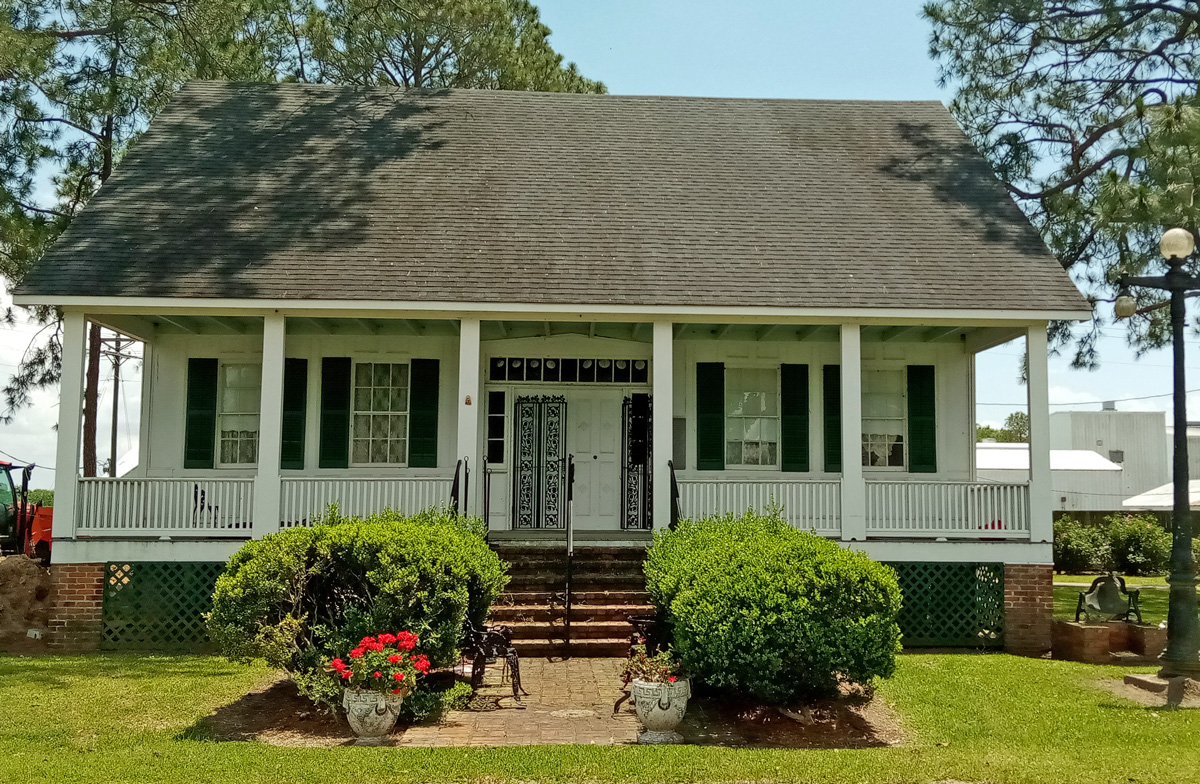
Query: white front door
{"type": "Point", "coordinates": [594, 438]}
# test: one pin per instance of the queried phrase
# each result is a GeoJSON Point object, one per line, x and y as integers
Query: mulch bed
{"type": "Point", "coordinates": [24, 604]}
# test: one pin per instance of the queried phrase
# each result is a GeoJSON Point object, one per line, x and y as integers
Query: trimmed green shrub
{"type": "Point", "coordinates": [1139, 544]}
{"type": "Point", "coordinates": [1080, 548]}
{"type": "Point", "coordinates": [297, 596]}
{"type": "Point", "coordinates": [759, 608]}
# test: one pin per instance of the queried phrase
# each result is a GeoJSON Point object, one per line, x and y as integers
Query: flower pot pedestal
{"type": "Point", "coordinates": [660, 708]}
{"type": "Point", "coordinates": [371, 714]}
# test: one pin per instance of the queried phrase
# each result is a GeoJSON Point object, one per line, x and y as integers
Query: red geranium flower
{"type": "Point", "coordinates": [671, 679]}
{"type": "Point", "coordinates": [395, 657]}
{"type": "Point", "coordinates": [406, 641]}
{"type": "Point", "coordinates": [378, 674]}
{"type": "Point", "coordinates": [395, 691]}
{"type": "Point", "coordinates": [421, 663]}
{"type": "Point", "coordinates": [365, 641]}
{"type": "Point", "coordinates": [338, 664]}
{"type": "Point", "coordinates": [357, 653]}
{"type": "Point", "coordinates": [398, 676]}
{"type": "Point", "coordinates": [387, 639]}
{"type": "Point", "coordinates": [347, 673]}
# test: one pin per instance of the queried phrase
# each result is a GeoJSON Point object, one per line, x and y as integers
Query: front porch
{"type": "Point", "coordinates": [862, 432]}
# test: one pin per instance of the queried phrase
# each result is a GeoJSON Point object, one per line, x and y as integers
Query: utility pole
{"type": "Point", "coordinates": [116, 348]}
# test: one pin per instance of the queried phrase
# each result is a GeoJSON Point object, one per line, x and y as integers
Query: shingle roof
{"type": "Point", "coordinates": [318, 192]}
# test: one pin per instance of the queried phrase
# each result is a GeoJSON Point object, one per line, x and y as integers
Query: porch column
{"type": "Point", "coordinates": [854, 489]}
{"type": "Point", "coordinates": [662, 440]}
{"type": "Point", "coordinates": [1041, 514]}
{"type": "Point", "coordinates": [469, 402]}
{"type": "Point", "coordinates": [270, 427]}
{"type": "Point", "coordinates": [70, 426]}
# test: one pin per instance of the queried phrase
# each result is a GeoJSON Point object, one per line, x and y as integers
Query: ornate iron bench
{"type": "Point", "coordinates": [1109, 599]}
{"type": "Point", "coordinates": [492, 642]}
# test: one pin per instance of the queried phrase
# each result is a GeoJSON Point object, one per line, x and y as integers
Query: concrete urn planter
{"type": "Point", "coordinates": [660, 708]}
{"type": "Point", "coordinates": [371, 714]}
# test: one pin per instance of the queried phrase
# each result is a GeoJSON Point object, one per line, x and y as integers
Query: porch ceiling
{"type": "Point", "coordinates": [974, 339]}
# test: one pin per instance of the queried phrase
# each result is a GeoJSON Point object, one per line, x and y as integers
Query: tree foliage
{"type": "Point", "coordinates": [1087, 111]}
{"type": "Point", "coordinates": [1014, 431]}
{"type": "Point", "coordinates": [81, 79]}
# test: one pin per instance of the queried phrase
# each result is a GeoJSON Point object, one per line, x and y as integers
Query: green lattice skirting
{"type": "Point", "coordinates": [157, 606]}
{"type": "Point", "coordinates": [953, 605]}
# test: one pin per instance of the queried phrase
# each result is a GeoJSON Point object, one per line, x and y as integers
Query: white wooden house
{"type": "Point", "coordinates": [346, 295]}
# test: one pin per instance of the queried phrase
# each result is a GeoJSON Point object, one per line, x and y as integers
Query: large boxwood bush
{"type": "Point", "coordinates": [1132, 544]}
{"type": "Point", "coordinates": [301, 595]}
{"type": "Point", "coordinates": [759, 608]}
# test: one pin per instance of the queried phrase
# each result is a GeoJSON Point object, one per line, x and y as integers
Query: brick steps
{"type": "Point", "coordinates": [608, 587]}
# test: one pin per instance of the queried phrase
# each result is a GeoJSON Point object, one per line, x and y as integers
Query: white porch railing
{"type": "Point", "coordinates": [164, 507]}
{"type": "Point", "coordinates": [302, 499]}
{"type": "Point", "coordinates": [807, 504]}
{"type": "Point", "coordinates": [950, 509]}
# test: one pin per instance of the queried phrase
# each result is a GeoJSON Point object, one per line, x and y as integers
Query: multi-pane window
{"type": "Point", "coordinates": [752, 416]}
{"type": "Point", "coordinates": [495, 428]}
{"type": "Point", "coordinates": [239, 397]}
{"type": "Point", "coordinates": [379, 424]}
{"type": "Point", "coordinates": [883, 419]}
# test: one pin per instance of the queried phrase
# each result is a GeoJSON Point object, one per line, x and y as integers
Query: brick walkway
{"type": "Point", "coordinates": [569, 702]}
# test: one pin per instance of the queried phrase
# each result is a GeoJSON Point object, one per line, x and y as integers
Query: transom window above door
{"type": "Point", "coordinates": [569, 370]}
{"type": "Point", "coordinates": [379, 429]}
{"type": "Point", "coordinates": [752, 416]}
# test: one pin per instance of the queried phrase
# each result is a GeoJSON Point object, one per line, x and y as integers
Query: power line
{"type": "Point", "coordinates": [1093, 402]}
{"type": "Point", "coordinates": [24, 462]}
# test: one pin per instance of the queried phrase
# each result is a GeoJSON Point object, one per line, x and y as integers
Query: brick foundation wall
{"type": "Point", "coordinates": [77, 595]}
{"type": "Point", "coordinates": [1028, 608]}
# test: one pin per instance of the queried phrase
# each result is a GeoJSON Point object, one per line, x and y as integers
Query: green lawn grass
{"type": "Point", "coordinates": [1132, 582]}
{"type": "Point", "coordinates": [996, 718]}
{"type": "Point", "coordinates": [1153, 602]}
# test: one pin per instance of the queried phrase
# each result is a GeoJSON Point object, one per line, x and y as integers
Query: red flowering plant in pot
{"type": "Point", "coordinates": [376, 676]}
{"type": "Point", "coordinates": [659, 692]}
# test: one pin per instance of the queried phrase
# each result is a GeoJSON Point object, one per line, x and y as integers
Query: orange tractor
{"type": "Point", "coordinates": [24, 527]}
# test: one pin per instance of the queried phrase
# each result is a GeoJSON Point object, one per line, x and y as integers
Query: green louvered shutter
{"type": "Point", "coordinates": [200, 425]}
{"type": "Point", "coordinates": [793, 416]}
{"type": "Point", "coordinates": [831, 400]}
{"type": "Point", "coordinates": [334, 451]}
{"type": "Point", "coordinates": [922, 420]}
{"type": "Point", "coordinates": [710, 416]}
{"type": "Point", "coordinates": [295, 405]}
{"type": "Point", "coordinates": [423, 414]}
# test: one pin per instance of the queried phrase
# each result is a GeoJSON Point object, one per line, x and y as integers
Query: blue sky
{"type": "Point", "coordinates": [861, 50]}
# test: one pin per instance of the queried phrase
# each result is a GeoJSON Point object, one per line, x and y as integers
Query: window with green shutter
{"type": "Point", "coordinates": [295, 413]}
{"type": "Point", "coordinates": [334, 449]}
{"type": "Point", "coordinates": [793, 412]}
{"type": "Point", "coordinates": [710, 416]}
{"type": "Point", "coordinates": [423, 409]}
{"type": "Point", "coordinates": [200, 426]}
{"type": "Point", "coordinates": [922, 420]}
{"type": "Point", "coordinates": [831, 402]}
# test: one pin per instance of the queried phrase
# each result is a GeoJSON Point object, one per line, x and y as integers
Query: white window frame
{"type": "Point", "coordinates": [222, 368]}
{"type": "Point", "coordinates": [903, 418]}
{"type": "Point", "coordinates": [778, 419]}
{"type": "Point", "coordinates": [355, 412]}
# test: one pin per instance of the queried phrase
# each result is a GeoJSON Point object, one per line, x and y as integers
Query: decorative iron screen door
{"type": "Point", "coordinates": [540, 478]}
{"type": "Point", "coordinates": [636, 481]}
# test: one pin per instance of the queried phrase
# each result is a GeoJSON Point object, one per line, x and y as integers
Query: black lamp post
{"type": "Point", "coordinates": [1182, 656]}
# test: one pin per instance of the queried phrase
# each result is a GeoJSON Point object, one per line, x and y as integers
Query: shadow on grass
{"type": "Point", "coordinates": [278, 713]}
